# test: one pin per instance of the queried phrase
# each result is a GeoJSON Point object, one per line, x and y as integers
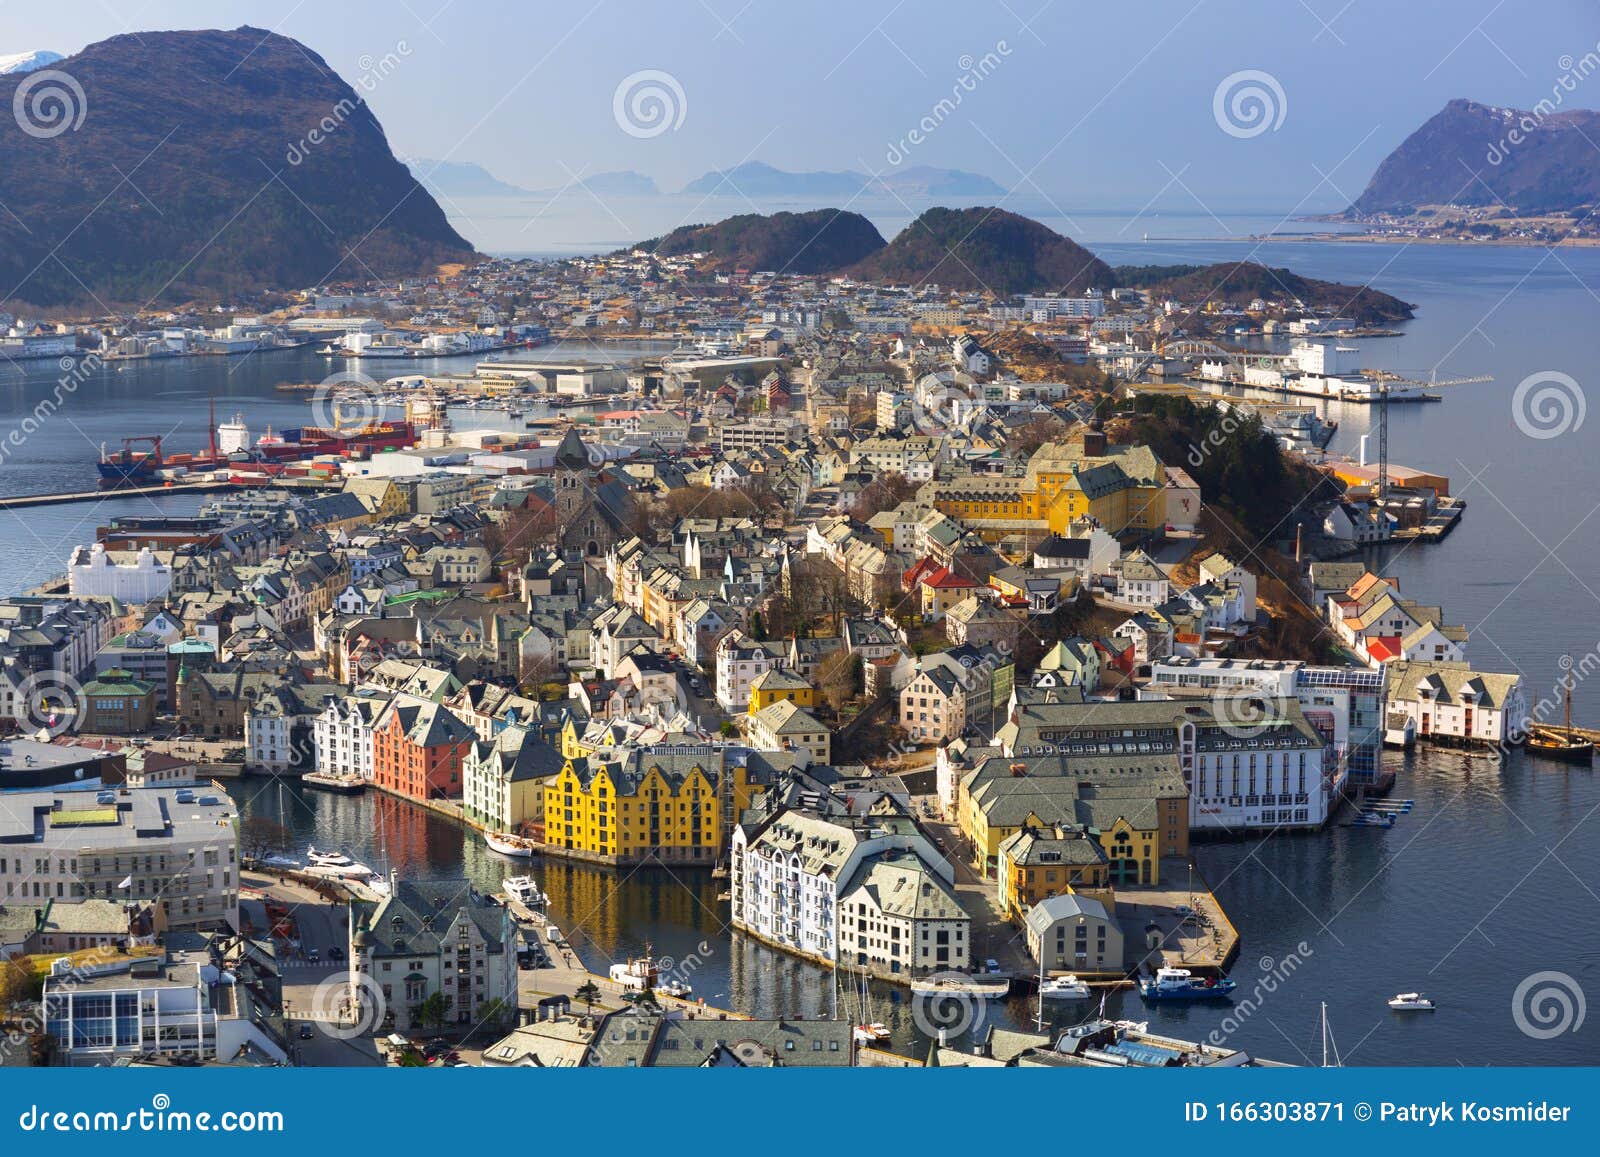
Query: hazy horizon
{"type": "Point", "coordinates": [1072, 110]}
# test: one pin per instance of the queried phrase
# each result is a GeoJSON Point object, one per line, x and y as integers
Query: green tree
{"type": "Point", "coordinates": [589, 993]}
{"type": "Point", "coordinates": [433, 1011]}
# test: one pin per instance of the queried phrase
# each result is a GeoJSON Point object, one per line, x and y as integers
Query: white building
{"type": "Point", "coordinates": [342, 735]}
{"type": "Point", "coordinates": [1454, 703]}
{"type": "Point", "coordinates": [798, 876]}
{"type": "Point", "coordinates": [138, 579]}
{"type": "Point", "coordinates": [439, 937]}
{"type": "Point", "coordinates": [740, 662]}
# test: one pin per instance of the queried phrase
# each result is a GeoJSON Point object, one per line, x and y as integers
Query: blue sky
{"type": "Point", "coordinates": [1094, 105]}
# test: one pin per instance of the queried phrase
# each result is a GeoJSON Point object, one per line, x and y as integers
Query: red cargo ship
{"type": "Point", "coordinates": [130, 467]}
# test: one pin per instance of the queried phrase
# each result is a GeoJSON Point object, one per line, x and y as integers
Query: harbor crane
{"type": "Point", "coordinates": [1387, 381]}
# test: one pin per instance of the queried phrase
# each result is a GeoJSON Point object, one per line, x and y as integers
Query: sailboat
{"type": "Point", "coordinates": [1561, 744]}
{"type": "Point", "coordinates": [1328, 1041]}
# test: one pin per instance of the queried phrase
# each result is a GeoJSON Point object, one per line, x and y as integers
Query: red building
{"type": "Point", "coordinates": [418, 748]}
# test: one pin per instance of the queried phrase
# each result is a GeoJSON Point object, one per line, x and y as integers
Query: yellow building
{"type": "Point", "coordinates": [1121, 487]}
{"type": "Point", "coordinates": [1125, 804]}
{"type": "Point", "coordinates": [779, 686]}
{"type": "Point", "coordinates": [636, 805]}
{"type": "Point", "coordinates": [1039, 862]}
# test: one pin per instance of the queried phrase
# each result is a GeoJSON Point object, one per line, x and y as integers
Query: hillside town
{"type": "Point", "coordinates": [895, 610]}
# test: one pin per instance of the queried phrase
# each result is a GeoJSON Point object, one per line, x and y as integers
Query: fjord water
{"type": "Point", "coordinates": [1492, 879]}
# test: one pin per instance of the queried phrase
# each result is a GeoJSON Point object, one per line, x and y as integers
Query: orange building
{"type": "Point", "coordinates": [418, 748]}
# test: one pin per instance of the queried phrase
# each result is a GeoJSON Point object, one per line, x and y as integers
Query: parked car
{"type": "Point", "coordinates": [336, 953]}
{"type": "Point", "coordinates": [313, 956]}
{"type": "Point", "coordinates": [306, 1032]}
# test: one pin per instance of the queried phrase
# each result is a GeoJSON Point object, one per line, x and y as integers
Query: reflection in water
{"type": "Point", "coordinates": [1459, 900]}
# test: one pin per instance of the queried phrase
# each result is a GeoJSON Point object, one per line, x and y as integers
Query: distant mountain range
{"type": "Point", "coordinates": [1477, 154]}
{"type": "Point", "coordinates": [20, 62]}
{"type": "Point", "coordinates": [205, 164]}
{"type": "Point", "coordinates": [755, 179]}
{"type": "Point", "coordinates": [464, 179]}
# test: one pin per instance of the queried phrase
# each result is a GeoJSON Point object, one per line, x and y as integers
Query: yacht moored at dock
{"type": "Point", "coordinates": [1179, 984]}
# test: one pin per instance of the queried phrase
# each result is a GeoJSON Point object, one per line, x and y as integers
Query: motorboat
{"type": "Point", "coordinates": [638, 974]}
{"type": "Point", "coordinates": [677, 988]}
{"type": "Point", "coordinates": [509, 845]}
{"type": "Point", "coordinates": [1064, 988]}
{"type": "Point", "coordinates": [523, 890]}
{"type": "Point", "coordinates": [335, 865]}
{"type": "Point", "coordinates": [286, 863]}
{"type": "Point", "coordinates": [1179, 984]}
{"type": "Point", "coordinates": [1411, 1002]}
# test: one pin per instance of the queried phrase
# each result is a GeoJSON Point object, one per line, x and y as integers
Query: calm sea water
{"type": "Point", "coordinates": [1491, 880]}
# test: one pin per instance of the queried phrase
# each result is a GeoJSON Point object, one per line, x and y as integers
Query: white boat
{"type": "Point", "coordinates": [509, 845]}
{"type": "Point", "coordinates": [1411, 1002]}
{"type": "Point", "coordinates": [523, 890]}
{"type": "Point", "coordinates": [286, 862]}
{"type": "Point", "coordinates": [336, 865]}
{"type": "Point", "coordinates": [1064, 988]}
{"type": "Point", "coordinates": [984, 987]}
{"type": "Point", "coordinates": [638, 974]}
{"type": "Point", "coordinates": [377, 884]}
{"type": "Point", "coordinates": [871, 1034]}
{"type": "Point", "coordinates": [675, 988]}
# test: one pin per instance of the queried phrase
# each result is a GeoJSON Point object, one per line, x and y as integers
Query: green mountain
{"type": "Point", "coordinates": [821, 241]}
{"type": "Point", "coordinates": [1239, 282]}
{"type": "Point", "coordinates": [985, 248]}
{"type": "Point", "coordinates": [202, 165]}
